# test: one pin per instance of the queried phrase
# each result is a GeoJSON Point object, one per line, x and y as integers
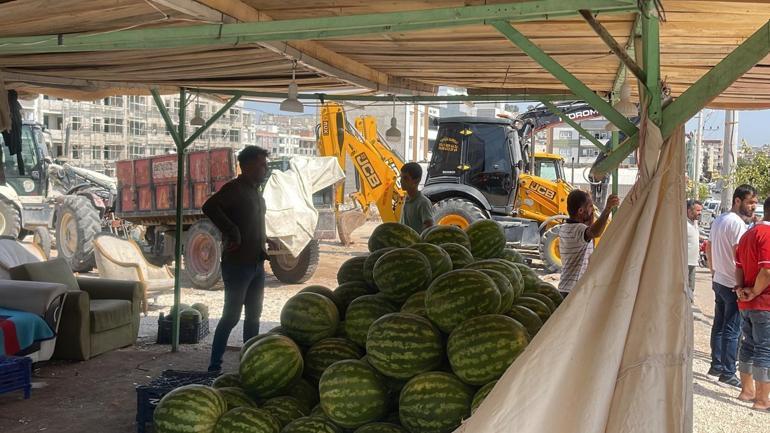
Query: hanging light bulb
{"type": "Point", "coordinates": [197, 120]}
{"type": "Point", "coordinates": [291, 103]}
{"type": "Point", "coordinates": [624, 106]}
{"type": "Point", "coordinates": [393, 133]}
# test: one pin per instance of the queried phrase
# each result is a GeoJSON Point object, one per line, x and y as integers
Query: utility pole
{"type": "Point", "coordinates": [729, 158]}
{"type": "Point", "coordinates": [697, 163]}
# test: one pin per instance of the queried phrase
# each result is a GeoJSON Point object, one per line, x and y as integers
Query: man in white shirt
{"type": "Point", "coordinates": [694, 209]}
{"type": "Point", "coordinates": [726, 232]}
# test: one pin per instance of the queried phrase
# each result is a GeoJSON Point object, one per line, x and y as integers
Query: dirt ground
{"type": "Point", "coordinates": [99, 396]}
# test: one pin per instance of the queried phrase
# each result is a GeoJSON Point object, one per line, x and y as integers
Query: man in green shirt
{"type": "Point", "coordinates": [417, 212]}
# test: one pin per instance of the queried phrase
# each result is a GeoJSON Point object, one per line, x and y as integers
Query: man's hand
{"type": "Point", "coordinates": [613, 201]}
{"type": "Point", "coordinates": [746, 294]}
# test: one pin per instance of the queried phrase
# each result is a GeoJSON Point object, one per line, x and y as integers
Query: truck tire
{"type": "Point", "coordinates": [202, 254]}
{"type": "Point", "coordinates": [291, 270]}
{"type": "Point", "coordinates": [549, 250]}
{"type": "Point", "coordinates": [457, 212]}
{"type": "Point", "coordinates": [77, 224]}
{"type": "Point", "coordinates": [10, 220]}
{"type": "Point", "coordinates": [42, 238]}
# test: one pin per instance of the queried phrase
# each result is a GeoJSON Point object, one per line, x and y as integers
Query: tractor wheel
{"type": "Point", "coordinates": [10, 220]}
{"type": "Point", "coordinates": [457, 212]}
{"type": "Point", "coordinates": [77, 224]}
{"type": "Point", "coordinates": [549, 250]}
{"type": "Point", "coordinates": [42, 238]}
{"type": "Point", "coordinates": [296, 270]}
{"type": "Point", "coordinates": [202, 254]}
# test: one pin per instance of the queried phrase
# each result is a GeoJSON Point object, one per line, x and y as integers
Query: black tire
{"type": "Point", "coordinates": [292, 270]}
{"type": "Point", "coordinates": [457, 211]}
{"type": "Point", "coordinates": [549, 250]}
{"type": "Point", "coordinates": [77, 224]}
{"type": "Point", "coordinates": [10, 220]}
{"type": "Point", "coordinates": [202, 254]}
{"type": "Point", "coordinates": [42, 238]}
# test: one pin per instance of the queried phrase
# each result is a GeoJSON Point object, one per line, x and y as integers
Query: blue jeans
{"type": "Point", "coordinates": [754, 356]}
{"type": "Point", "coordinates": [244, 286]}
{"type": "Point", "coordinates": [725, 331]}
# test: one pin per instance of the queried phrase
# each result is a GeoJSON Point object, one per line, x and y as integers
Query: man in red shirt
{"type": "Point", "coordinates": [752, 261]}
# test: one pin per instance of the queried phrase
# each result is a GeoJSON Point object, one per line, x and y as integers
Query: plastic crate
{"type": "Point", "coordinates": [148, 396]}
{"type": "Point", "coordinates": [15, 374]}
{"type": "Point", "coordinates": [190, 331]}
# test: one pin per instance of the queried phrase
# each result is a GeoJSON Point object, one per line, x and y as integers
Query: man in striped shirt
{"type": "Point", "coordinates": [576, 236]}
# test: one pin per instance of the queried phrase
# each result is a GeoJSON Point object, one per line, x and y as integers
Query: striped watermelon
{"type": "Point", "coordinates": [392, 235]}
{"type": "Point", "coordinates": [362, 313]}
{"type": "Point", "coordinates": [461, 256]}
{"type": "Point", "coordinates": [311, 424]}
{"type": "Point", "coordinates": [270, 366]}
{"type": "Point", "coordinates": [380, 427]}
{"type": "Point", "coordinates": [536, 305]}
{"type": "Point", "coordinates": [236, 397]}
{"type": "Point", "coordinates": [415, 304]}
{"type": "Point", "coordinates": [304, 392]}
{"type": "Point", "coordinates": [504, 287]}
{"type": "Point", "coordinates": [526, 317]}
{"type": "Point", "coordinates": [352, 394]}
{"type": "Point", "coordinates": [544, 299]}
{"type": "Point", "coordinates": [318, 411]}
{"type": "Point", "coordinates": [481, 394]}
{"type": "Point", "coordinates": [442, 234]}
{"type": "Point", "coordinates": [531, 280]}
{"type": "Point", "coordinates": [325, 353]}
{"type": "Point", "coordinates": [247, 420]}
{"type": "Point", "coordinates": [352, 270]}
{"type": "Point", "coordinates": [403, 345]}
{"type": "Point", "coordinates": [278, 330]}
{"type": "Point", "coordinates": [460, 295]}
{"type": "Point", "coordinates": [487, 239]}
{"type": "Point", "coordinates": [325, 291]}
{"type": "Point", "coordinates": [434, 402]}
{"type": "Point", "coordinates": [550, 291]}
{"type": "Point", "coordinates": [227, 380]}
{"type": "Point", "coordinates": [190, 408]}
{"type": "Point", "coordinates": [309, 317]}
{"type": "Point", "coordinates": [402, 272]}
{"type": "Point", "coordinates": [251, 342]}
{"type": "Point", "coordinates": [512, 256]}
{"type": "Point", "coordinates": [371, 260]}
{"type": "Point", "coordinates": [440, 261]}
{"type": "Point", "coordinates": [286, 409]}
{"type": "Point", "coordinates": [347, 292]}
{"type": "Point", "coordinates": [510, 272]}
{"type": "Point", "coordinates": [482, 348]}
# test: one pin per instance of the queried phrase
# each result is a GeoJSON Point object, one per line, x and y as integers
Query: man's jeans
{"type": "Point", "coordinates": [244, 285]}
{"type": "Point", "coordinates": [725, 331]}
{"type": "Point", "coordinates": [754, 357]}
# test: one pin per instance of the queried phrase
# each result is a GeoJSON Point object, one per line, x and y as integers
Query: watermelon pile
{"type": "Point", "coordinates": [411, 341]}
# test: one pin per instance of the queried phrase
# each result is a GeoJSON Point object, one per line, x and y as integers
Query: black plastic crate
{"type": "Point", "coordinates": [15, 374]}
{"type": "Point", "coordinates": [148, 396]}
{"type": "Point", "coordinates": [190, 331]}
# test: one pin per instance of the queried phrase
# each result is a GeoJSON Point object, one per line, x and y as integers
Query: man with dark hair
{"type": "Point", "coordinates": [694, 209]}
{"type": "Point", "coordinates": [752, 273]}
{"type": "Point", "coordinates": [577, 234]}
{"type": "Point", "coordinates": [417, 212]}
{"type": "Point", "coordinates": [726, 232]}
{"type": "Point", "coordinates": [238, 211]}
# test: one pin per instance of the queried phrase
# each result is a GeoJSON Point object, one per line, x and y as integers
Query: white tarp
{"type": "Point", "coordinates": [291, 217]}
{"type": "Point", "coordinates": [617, 354]}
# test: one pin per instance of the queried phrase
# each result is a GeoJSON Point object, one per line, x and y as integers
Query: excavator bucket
{"type": "Point", "coordinates": [347, 222]}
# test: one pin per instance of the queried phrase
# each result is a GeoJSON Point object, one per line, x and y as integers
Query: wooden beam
{"type": "Point", "coordinates": [612, 44]}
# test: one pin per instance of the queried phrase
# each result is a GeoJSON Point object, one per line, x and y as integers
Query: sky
{"type": "Point", "coordinates": [752, 126]}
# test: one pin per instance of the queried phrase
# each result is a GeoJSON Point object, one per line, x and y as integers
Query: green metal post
{"type": "Point", "coordinates": [180, 151]}
{"type": "Point", "coordinates": [651, 56]}
{"type": "Point", "coordinates": [587, 135]}
{"type": "Point", "coordinates": [615, 180]}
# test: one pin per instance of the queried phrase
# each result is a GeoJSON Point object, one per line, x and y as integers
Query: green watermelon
{"type": "Point", "coordinates": [526, 317]}
{"type": "Point", "coordinates": [325, 353]}
{"type": "Point", "coordinates": [434, 402]}
{"type": "Point", "coordinates": [318, 411]}
{"type": "Point", "coordinates": [487, 239]}
{"type": "Point", "coordinates": [311, 424]}
{"type": "Point", "coordinates": [536, 305]}
{"type": "Point", "coordinates": [174, 309]}
{"type": "Point", "coordinates": [352, 393]}
{"type": "Point", "coordinates": [371, 261]}
{"type": "Point", "coordinates": [227, 380]}
{"type": "Point", "coordinates": [304, 392]}
{"type": "Point", "coordinates": [347, 292]}
{"type": "Point", "coordinates": [309, 317]}
{"type": "Point", "coordinates": [481, 394]}
{"type": "Point", "coordinates": [510, 272]}
{"type": "Point", "coordinates": [392, 235]}
{"type": "Point", "coordinates": [482, 348]}
{"type": "Point", "coordinates": [190, 408]}
{"type": "Point", "coordinates": [440, 261]}
{"type": "Point", "coordinates": [402, 272]}
{"type": "Point", "coordinates": [202, 308]}
{"type": "Point", "coordinates": [415, 304]}
{"type": "Point", "coordinates": [512, 256]}
{"type": "Point", "coordinates": [504, 287]}
{"type": "Point", "coordinates": [531, 280]}
{"type": "Point", "coordinates": [550, 291]}
{"type": "Point", "coordinates": [438, 235]}
{"type": "Point", "coordinates": [236, 397]}
{"type": "Point", "coordinates": [325, 291]}
{"type": "Point", "coordinates": [460, 295]}
{"type": "Point", "coordinates": [460, 255]}
{"type": "Point", "coordinates": [362, 313]}
{"type": "Point", "coordinates": [286, 409]}
{"type": "Point", "coordinates": [270, 366]}
{"type": "Point", "coordinates": [403, 345]}
{"type": "Point", "coordinates": [544, 299]}
{"type": "Point", "coordinates": [380, 427]}
{"type": "Point", "coordinates": [250, 342]}
{"type": "Point", "coordinates": [278, 330]}
{"type": "Point", "coordinates": [352, 270]}
{"type": "Point", "coordinates": [247, 420]}
{"type": "Point", "coordinates": [190, 314]}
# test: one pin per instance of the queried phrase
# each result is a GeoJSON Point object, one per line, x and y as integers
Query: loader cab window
{"type": "Point", "coordinates": [489, 160]}
{"type": "Point", "coordinates": [447, 152]}
{"type": "Point", "coordinates": [28, 153]}
{"type": "Point", "coordinates": [549, 169]}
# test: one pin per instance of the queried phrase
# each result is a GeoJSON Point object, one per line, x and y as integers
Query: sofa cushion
{"type": "Point", "coordinates": [51, 271]}
{"type": "Point", "coordinates": [109, 314]}
{"type": "Point", "coordinates": [13, 253]}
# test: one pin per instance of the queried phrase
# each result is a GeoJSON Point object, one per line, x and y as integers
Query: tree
{"type": "Point", "coordinates": [753, 168]}
{"type": "Point", "coordinates": [703, 192]}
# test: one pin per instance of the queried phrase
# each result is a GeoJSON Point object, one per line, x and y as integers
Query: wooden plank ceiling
{"type": "Point", "coordinates": [694, 37]}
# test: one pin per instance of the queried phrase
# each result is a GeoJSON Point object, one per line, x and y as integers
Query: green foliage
{"type": "Point", "coordinates": [703, 192]}
{"type": "Point", "coordinates": [754, 169]}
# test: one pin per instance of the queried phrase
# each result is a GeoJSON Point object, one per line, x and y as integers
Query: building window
{"type": "Point", "coordinates": [75, 152]}
{"type": "Point", "coordinates": [96, 152]}
{"type": "Point", "coordinates": [234, 114]}
{"type": "Point", "coordinates": [137, 150]}
{"type": "Point", "coordinates": [565, 135]}
{"type": "Point", "coordinates": [136, 128]}
{"type": "Point", "coordinates": [113, 125]}
{"type": "Point", "coordinates": [113, 101]}
{"type": "Point", "coordinates": [96, 124]}
{"type": "Point", "coordinates": [235, 136]}
{"type": "Point", "coordinates": [75, 123]}
{"type": "Point", "coordinates": [137, 102]}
